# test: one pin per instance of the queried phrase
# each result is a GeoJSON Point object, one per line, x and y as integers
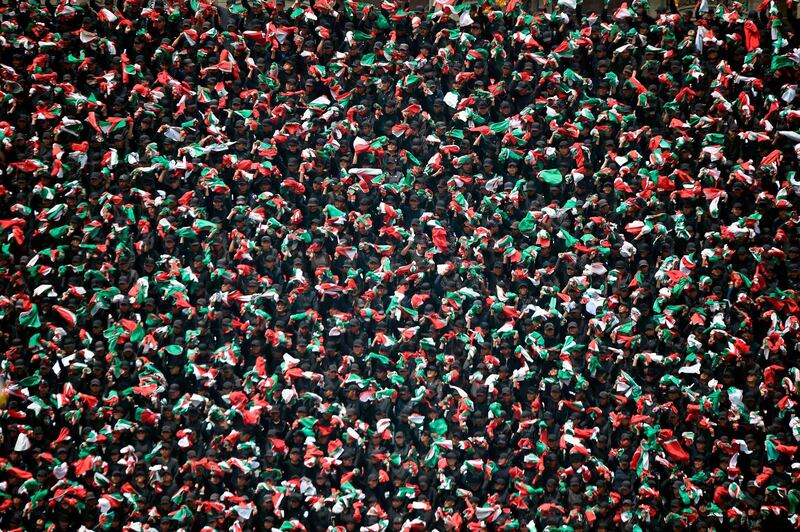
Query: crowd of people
{"type": "Point", "coordinates": [366, 266]}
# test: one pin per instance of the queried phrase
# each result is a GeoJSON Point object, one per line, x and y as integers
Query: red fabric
{"type": "Point", "coordinates": [675, 451]}
{"type": "Point", "coordinates": [439, 238]}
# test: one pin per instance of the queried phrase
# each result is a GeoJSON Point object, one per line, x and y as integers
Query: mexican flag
{"type": "Point", "coordinates": [67, 314]}
{"type": "Point", "coordinates": [30, 318]}
{"type": "Point", "coordinates": [107, 126]}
